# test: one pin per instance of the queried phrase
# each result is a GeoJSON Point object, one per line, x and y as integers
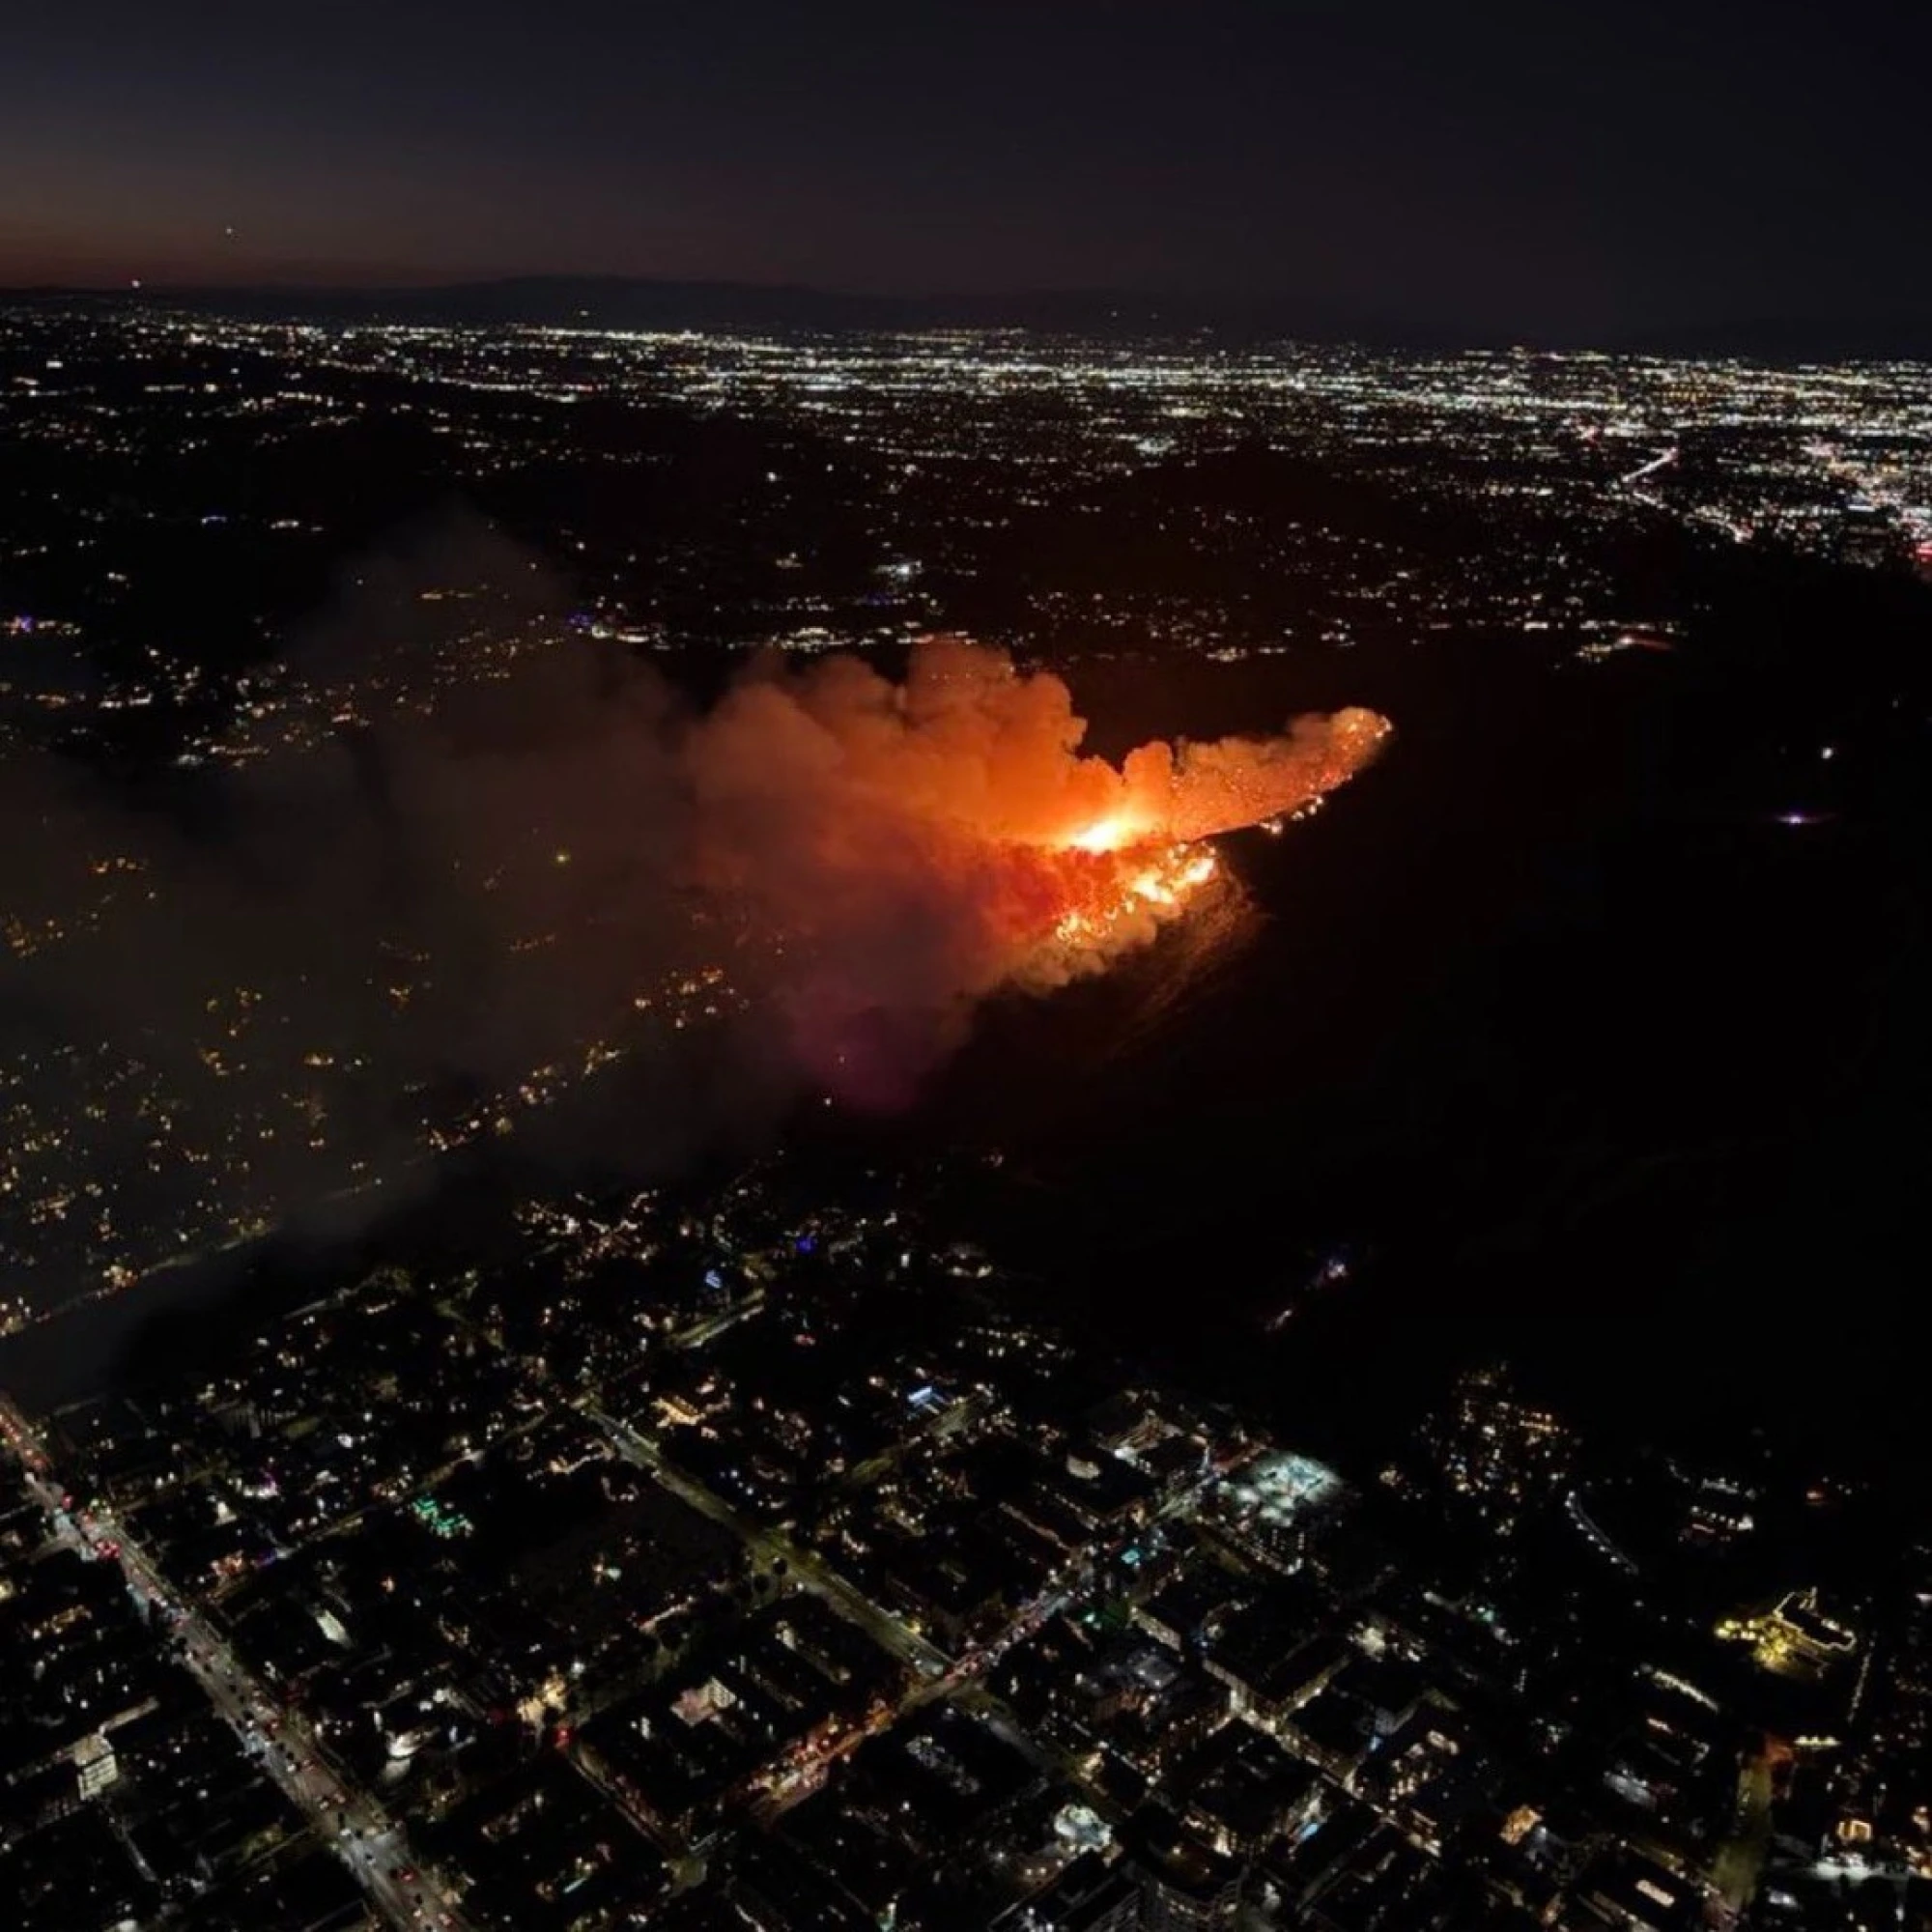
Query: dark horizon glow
{"type": "Point", "coordinates": [1564, 171]}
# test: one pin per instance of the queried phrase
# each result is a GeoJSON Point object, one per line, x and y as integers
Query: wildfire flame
{"type": "Point", "coordinates": [1161, 880]}
{"type": "Point", "coordinates": [921, 844]}
{"type": "Point", "coordinates": [1108, 835]}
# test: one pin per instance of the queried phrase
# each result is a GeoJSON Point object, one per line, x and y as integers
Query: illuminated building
{"type": "Point", "coordinates": [1794, 1636]}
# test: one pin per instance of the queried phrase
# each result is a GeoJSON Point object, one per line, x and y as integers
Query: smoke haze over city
{"type": "Point", "coordinates": [435, 920]}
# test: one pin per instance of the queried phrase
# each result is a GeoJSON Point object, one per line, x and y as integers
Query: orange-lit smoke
{"type": "Point", "coordinates": [909, 848]}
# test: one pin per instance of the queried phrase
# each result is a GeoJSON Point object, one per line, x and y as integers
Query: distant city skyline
{"type": "Point", "coordinates": [1583, 177]}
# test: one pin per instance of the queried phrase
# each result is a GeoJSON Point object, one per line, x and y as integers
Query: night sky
{"type": "Point", "coordinates": [1586, 169]}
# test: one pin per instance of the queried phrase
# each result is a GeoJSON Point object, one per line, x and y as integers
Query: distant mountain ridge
{"type": "Point", "coordinates": [640, 302]}
{"type": "Point", "coordinates": [622, 301]}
